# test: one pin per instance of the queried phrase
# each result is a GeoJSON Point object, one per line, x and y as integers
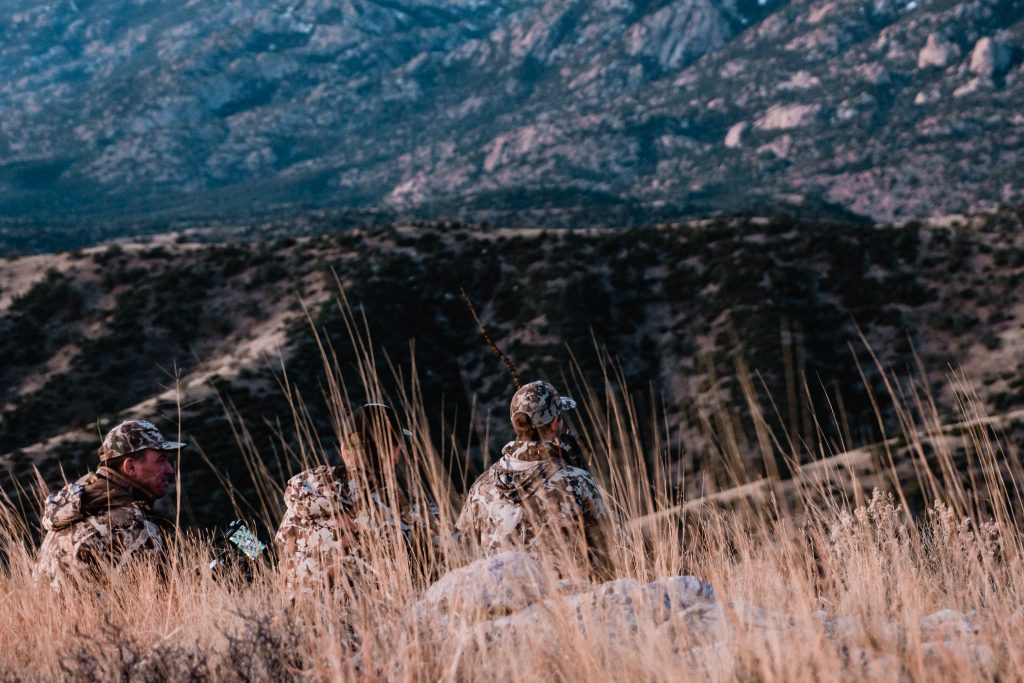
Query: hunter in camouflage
{"type": "Point", "coordinates": [342, 521]}
{"type": "Point", "coordinates": [533, 500]}
{"type": "Point", "coordinates": [104, 522]}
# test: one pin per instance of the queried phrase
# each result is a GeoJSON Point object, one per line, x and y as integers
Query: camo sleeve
{"type": "Point", "coordinates": [595, 518]}
{"type": "Point", "coordinates": [473, 522]}
{"type": "Point", "coordinates": [98, 546]}
{"type": "Point", "coordinates": [316, 500]}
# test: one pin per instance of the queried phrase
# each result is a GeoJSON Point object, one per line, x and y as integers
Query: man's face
{"type": "Point", "coordinates": [151, 470]}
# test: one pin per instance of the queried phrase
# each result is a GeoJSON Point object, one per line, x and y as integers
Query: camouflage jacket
{"type": "Point", "coordinates": [336, 529]}
{"type": "Point", "coordinates": [532, 500]}
{"type": "Point", "coordinates": [97, 525]}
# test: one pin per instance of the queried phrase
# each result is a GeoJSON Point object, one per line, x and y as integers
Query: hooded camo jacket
{"type": "Point", "coordinates": [98, 524]}
{"type": "Point", "coordinates": [532, 500]}
{"type": "Point", "coordinates": [337, 529]}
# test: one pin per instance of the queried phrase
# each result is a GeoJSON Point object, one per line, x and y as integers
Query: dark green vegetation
{"type": "Point", "coordinates": [689, 314]}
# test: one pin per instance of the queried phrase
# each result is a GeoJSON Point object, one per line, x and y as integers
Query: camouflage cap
{"type": "Point", "coordinates": [540, 402]}
{"type": "Point", "coordinates": [132, 436]}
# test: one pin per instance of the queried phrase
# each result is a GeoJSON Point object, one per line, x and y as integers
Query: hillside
{"type": "Point", "coordinates": [145, 117]}
{"type": "Point", "coordinates": [687, 311]}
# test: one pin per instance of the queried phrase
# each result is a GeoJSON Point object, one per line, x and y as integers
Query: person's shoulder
{"type": "Point", "coordinates": [569, 476]}
{"type": "Point", "coordinates": [571, 472]}
{"type": "Point", "coordinates": [308, 482]}
{"type": "Point", "coordinates": [64, 507]}
{"type": "Point", "coordinates": [486, 480]}
{"type": "Point", "coordinates": [318, 491]}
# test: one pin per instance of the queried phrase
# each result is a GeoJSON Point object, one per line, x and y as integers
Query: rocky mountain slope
{"type": "Point", "coordinates": [617, 111]}
{"type": "Point", "coordinates": [688, 311]}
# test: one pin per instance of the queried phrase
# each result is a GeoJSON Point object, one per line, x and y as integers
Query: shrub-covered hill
{"type": "Point", "coordinates": [688, 312]}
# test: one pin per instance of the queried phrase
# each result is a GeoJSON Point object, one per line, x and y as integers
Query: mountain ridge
{"type": "Point", "coordinates": [507, 112]}
{"type": "Point", "coordinates": [684, 311]}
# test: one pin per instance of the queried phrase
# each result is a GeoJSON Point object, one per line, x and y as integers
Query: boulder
{"type": "Point", "coordinates": [969, 88]}
{"type": "Point", "coordinates": [801, 80]}
{"type": "Point", "coordinates": [947, 623]}
{"type": "Point", "coordinates": [512, 596]}
{"type": "Point", "coordinates": [616, 609]}
{"type": "Point", "coordinates": [945, 655]}
{"type": "Point", "coordinates": [786, 116]}
{"type": "Point", "coordinates": [734, 138]}
{"type": "Point", "coordinates": [990, 57]}
{"type": "Point", "coordinates": [938, 52]}
{"type": "Point", "coordinates": [779, 148]}
{"type": "Point", "coordinates": [489, 588]}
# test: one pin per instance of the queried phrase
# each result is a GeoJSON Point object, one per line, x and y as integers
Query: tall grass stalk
{"type": "Point", "coordinates": [841, 575]}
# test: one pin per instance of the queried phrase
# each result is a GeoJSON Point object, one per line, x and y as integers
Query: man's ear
{"type": "Point", "coordinates": [555, 426]}
{"type": "Point", "coordinates": [128, 467]}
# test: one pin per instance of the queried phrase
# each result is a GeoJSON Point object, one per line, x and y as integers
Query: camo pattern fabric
{"type": "Point", "coordinates": [132, 436]}
{"type": "Point", "coordinates": [96, 526]}
{"type": "Point", "coordinates": [531, 500]}
{"type": "Point", "coordinates": [541, 402]}
{"type": "Point", "coordinates": [333, 524]}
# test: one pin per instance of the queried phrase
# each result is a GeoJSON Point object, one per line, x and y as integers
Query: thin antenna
{"type": "Point", "coordinates": [490, 342]}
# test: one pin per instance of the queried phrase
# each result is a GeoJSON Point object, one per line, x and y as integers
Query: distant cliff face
{"type": "Point", "coordinates": [484, 110]}
{"type": "Point", "coordinates": [699, 317]}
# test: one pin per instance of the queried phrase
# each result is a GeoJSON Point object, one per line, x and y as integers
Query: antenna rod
{"type": "Point", "coordinates": [490, 342]}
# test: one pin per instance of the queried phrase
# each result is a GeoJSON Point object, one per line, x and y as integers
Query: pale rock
{"type": "Point", "coordinates": [732, 68]}
{"type": "Point", "coordinates": [990, 57]}
{"type": "Point", "coordinates": [786, 116]}
{"type": "Point", "coordinates": [938, 52]}
{"type": "Point", "coordinates": [944, 654]}
{"type": "Point", "coordinates": [759, 617]}
{"type": "Point", "coordinates": [883, 633]}
{"type": "Point", "coordinates": [801, 80]}
{"type": "Point", "coordinates": [818, 40]}
{"type": "Point", "coordinates": [617, 609]}
{"type": "Point", "coordinates": [714, 662]}
{"type": "Point", "coordinates": [772, 26]}
{"type": "Point", "coordinates": [970, 87]}
{"type": "Point", "coordinates": [700, 622]}
{"type": "Point", "coordinates": [896, 52]}
{"type": "Point", "coordinates": [844, 114]}
{"type": "Point", "coordinates": [927, 97]}
{"type": "Point", "coordinates": [779, 147]}
{"type": "Point", "coordinates": [947, 623]}
{"type": "Point", "coordinates": [885, 8]}
{"type": "Point", "coordinates": [875, 667]}
{"type": "Point", "coordinates": [820, 12]}
{"type": "Point", "coordinates": [489, 588]}
{"type": "Point", "coordinates": [852, 108]}
{"type": "Point", "coordinates": [873, 73]}
{"type": "Point", "coordinates": [734, 138]}
{"type": "Point", "coordinates": [678, 32]}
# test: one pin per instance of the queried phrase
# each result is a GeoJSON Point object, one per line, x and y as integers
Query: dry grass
{"type": "Point", "coordinates": [842, 583]}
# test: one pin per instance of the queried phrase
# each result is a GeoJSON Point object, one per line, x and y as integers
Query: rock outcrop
{"type": "Point", "coordinates": [938, 52]}
{"type": "Point", "coordinates": [734, 138]}
{"type": "Point", "coordinates": [508, 596]}
{"type": "Point", "coordinates": [512, 113]}
{"type": "Point", "coordinates": [990, 57]}
{"type": "Point", "coordinates": [680, 613]}
{"type": "Point", "coordinates": [784, 117]}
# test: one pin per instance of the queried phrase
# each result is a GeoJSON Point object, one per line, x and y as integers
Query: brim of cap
{"type": "Point", "coordinates": [566, 403]}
